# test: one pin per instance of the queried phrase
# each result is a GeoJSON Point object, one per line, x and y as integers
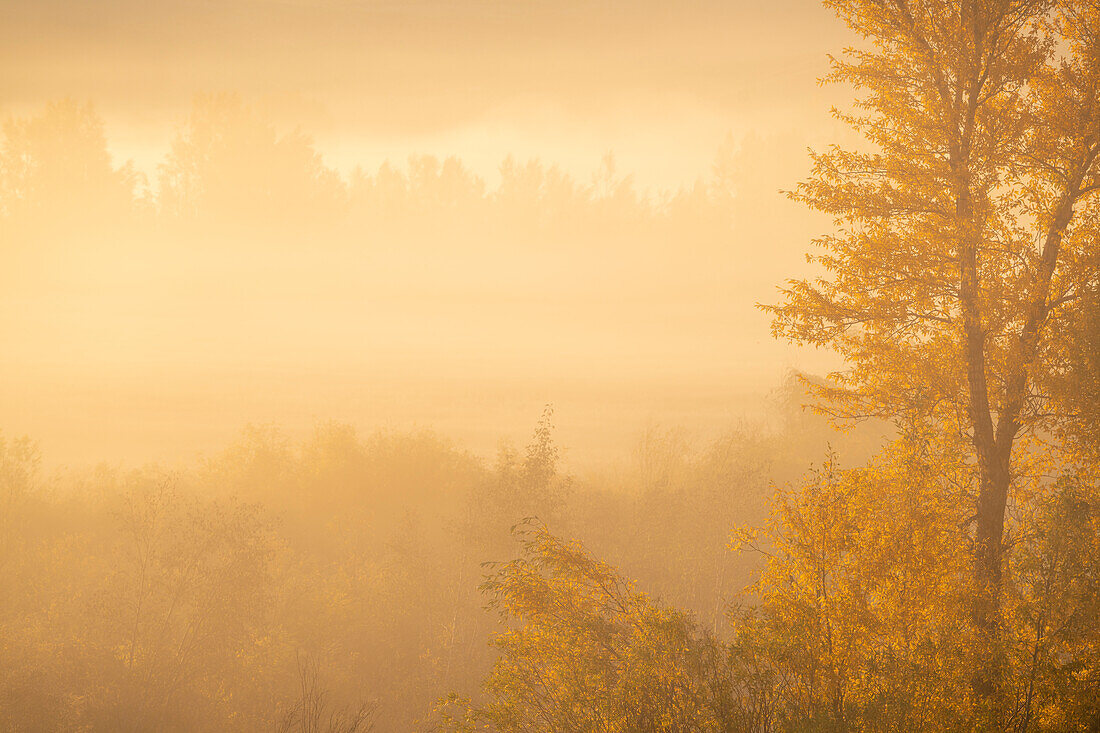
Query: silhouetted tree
{"type": "Point", "coordinates": [230, 164]}
{"type": "Point", "coordinates": [55, 169]}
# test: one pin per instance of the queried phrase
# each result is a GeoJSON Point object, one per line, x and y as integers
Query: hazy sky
{"type": "Point", "coordinates": [98, 371]}
{"type": "Point", "coordinates": [660, 83]}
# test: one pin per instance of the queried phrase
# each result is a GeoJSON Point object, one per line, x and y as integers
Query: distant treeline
{"type": "Point", "coordinates": [232, 163]}
{"type": "Point", "coordinates": [338, 574]}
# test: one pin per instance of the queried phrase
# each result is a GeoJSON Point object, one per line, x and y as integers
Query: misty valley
{"type": "Point", "coordinates": [550, 367]}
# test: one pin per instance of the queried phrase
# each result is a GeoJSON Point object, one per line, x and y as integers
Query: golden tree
{"type": "Point", "coordinates": [965, 229]}
{"type": "Point", "coordinates": [584, 650]}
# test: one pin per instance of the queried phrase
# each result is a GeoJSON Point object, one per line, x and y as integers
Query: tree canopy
{"type": "Point", "coordinates": [965, 241]}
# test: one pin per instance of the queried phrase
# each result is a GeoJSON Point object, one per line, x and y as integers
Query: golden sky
{"type": "Point", "coordinates": [119, 349]}
{"type": "Point", "coordinates": [658, 82]}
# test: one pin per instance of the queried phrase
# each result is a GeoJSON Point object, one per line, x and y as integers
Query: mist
{"type": "Point", "coordinates": [243, 278]}
{"type": "Point", "coordinates": [549, 366]}
{"type": "Point", "coordinates": [301, 296]}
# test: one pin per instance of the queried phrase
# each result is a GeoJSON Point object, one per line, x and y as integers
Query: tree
{"type": "Point", "coordinates": [587, 652]}
{"type": "Point", "coordinates": [313, 713]}
{"type": "Point", "coordinates": [1075, 387]}
{"type": "Point", "coordinates": [520, 487]}
{"type": "Point", "coordinates": [19, 464]}
{"type": "Point", "coordinates": [1056, 601]}
{"type": "Point", "coordinates": [182, 610]}
{"type": "Point", "coordinates": [56, 166]}
{"type": "Point", "coordinates": [230, 162]}
{"type": "Point", "coordinates": [965, 231]}
{"type": "Point", "coordinates": [833, 615]}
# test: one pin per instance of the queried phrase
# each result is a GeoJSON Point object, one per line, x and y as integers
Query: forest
{"type": "Point", "coordinates": [906, 540]}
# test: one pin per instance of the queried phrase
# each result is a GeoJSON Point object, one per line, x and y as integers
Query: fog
{"type": "Point", "coordinates": [546, 248]}
{"type": "Point", "coordinates": [414, 294]}
{"type": "Point", "coordinates": [306, 305]}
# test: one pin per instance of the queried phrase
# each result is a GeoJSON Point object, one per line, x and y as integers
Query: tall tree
{"type": "Point", "coordinates": [965, 230]}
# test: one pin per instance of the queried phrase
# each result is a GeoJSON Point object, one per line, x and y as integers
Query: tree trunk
{"type": "Point", "coordinates": [993, 456]}
{"type": "Point", "coordinates": [995, 477]}
{"type": "Point", "coordinates": [989, 530]}
{"type": "Point", "coordinates": [994, 445]}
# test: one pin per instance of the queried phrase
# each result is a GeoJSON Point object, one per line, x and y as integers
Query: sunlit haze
{"type": "Point", "coordinates": [549, 366]}
{"type": "Point", "coordinates": [152, 343]}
